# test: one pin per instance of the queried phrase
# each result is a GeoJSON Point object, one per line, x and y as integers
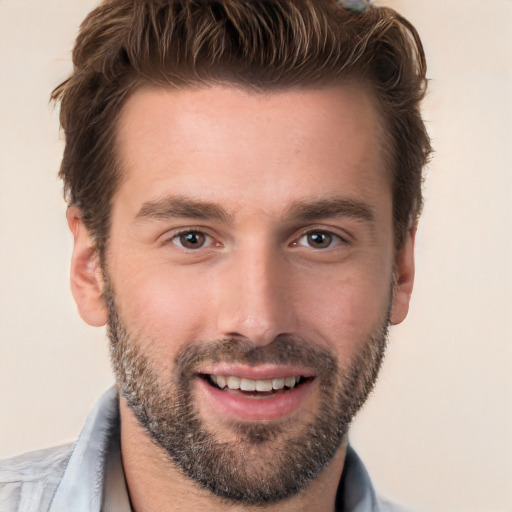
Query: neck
{"type": "Point", "coordinates": [155, 483]}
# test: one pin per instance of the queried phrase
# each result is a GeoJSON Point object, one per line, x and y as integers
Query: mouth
{"type": "Point", "coordinates": [255, 387]}
{"type": "Point", "coordinates": [261, 398]}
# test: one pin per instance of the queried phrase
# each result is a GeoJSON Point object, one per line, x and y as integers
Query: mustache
{"type": "Point", "coordinates": [283, 350]}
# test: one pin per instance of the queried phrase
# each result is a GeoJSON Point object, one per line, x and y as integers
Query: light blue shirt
{"type": "Point", "coordinates": [88, 476]}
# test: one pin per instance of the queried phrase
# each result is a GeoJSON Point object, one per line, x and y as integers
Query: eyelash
{"type": "Point", "coordinates": [190, 231]}
{"type": "Point", "coordinates": [335, 239]}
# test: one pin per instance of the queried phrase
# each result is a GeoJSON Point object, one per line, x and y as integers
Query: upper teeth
{"type": "Point", "coordinates": [233, 382]}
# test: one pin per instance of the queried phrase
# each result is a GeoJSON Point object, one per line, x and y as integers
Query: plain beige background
{"type": "Point", "coordinates": [437, 433]}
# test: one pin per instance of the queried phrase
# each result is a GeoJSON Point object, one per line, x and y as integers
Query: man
{"type": "Point", "coordinates": [244, 181]}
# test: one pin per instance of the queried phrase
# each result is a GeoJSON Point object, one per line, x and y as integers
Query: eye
{"type": "Point", "coordinates": [191, 239]}
{"type": "Point", "coordinates": [318, 239]}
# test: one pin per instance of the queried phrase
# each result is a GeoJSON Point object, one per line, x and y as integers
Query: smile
{"type": "Point", "coordinates": [260, 398]}
{"type": "Point", "coordinates": [267, 386]}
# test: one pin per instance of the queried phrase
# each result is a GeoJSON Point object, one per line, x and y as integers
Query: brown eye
{"type": "Point", "coordinates": [319, 239]}
{"type": "Point", "coordinates": [191, 240]}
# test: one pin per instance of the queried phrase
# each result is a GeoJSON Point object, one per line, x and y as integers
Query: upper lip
{"type": "Point", "coordinates": [260, 372]}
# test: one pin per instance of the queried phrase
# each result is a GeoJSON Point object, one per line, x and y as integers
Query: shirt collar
{"type": "Point", "coordinates": [81, 486]}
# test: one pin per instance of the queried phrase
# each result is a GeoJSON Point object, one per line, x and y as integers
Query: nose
{"type": "Point", "coordinates": [256, 299]}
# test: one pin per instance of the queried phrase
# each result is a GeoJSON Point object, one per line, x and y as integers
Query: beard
{"type": "Point", "coordinates": [248, 462]}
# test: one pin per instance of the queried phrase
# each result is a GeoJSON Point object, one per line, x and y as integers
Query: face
{"type": "Point", "coordinates": [248, 278]}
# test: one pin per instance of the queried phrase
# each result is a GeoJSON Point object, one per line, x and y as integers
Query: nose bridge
{"type": "Point", "coordinates": [255, 301]}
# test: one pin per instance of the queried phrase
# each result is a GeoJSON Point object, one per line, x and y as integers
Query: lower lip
{"type": "Point", "coordinates": [250, 408]}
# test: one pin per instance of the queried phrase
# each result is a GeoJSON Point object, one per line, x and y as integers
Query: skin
{"type": "Point", "coordinates": [255, 157]}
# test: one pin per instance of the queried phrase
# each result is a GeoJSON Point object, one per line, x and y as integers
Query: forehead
{"type": "Point", "coordinates": [238, 146]}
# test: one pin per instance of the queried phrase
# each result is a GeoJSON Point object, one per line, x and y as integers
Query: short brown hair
{"type": "Point", "coordinates": [123, 44]}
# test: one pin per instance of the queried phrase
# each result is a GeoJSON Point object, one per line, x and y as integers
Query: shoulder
{"type": "Point", "coordinates": [36, 464]}
{"type": "Point", "coordinates": [32, 477]}
{"type": "Point", "coordinates": [387, 506]}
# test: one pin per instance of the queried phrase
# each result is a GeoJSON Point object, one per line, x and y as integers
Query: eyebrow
{"type": "Point", "coordinates": [300, 211]}
{"type": "Point", "coordinates": [329, 208]}
{"type": "Point", "coordinates": [182, 207]}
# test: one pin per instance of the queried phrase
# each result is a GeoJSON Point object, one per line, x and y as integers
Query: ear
{"type": "Point", "coordinates": [86, 274]}
{"type": "Point", "coordinates": [404, 278]}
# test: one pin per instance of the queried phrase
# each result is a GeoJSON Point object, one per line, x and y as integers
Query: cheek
{"type": "Point", "coordinates": [161, 307]}
{"type": "Point", "coordinates": [349, 306]}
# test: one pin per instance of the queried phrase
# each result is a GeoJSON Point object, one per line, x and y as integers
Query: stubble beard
{"type": "Point", "coordinates": [254, 464]}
